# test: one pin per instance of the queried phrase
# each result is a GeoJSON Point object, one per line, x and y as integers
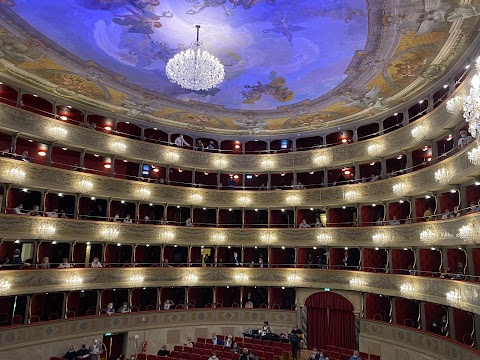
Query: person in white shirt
{"type": "Point", "coordinates": [180, 141]}
{"type": "Point", "coordinates": [65, 264]}
{"type": "Point", "coordinates": [188, 222]}
{"type": "Point", "coordinates": [318, 223]}
{"type": "Point", "coordinates": [116, 217]}
{"type": "Point", "coordinates": [394, 221]}
{"type": "Point", "coordinates": [52, 214]}
{"type": "Point", "coordinates": [213, 357]}
{"type": "Point", "coordinates": [446, 215]}
{"type": "Point", "coordinates": [465, 139]}
{"type": "Point", "coordinates": [303, 224]}
{"type": "Point", "coordinates": [128, 219]}
{"type": "Point", "coordinates": [189, 342]}
{"type": "Point", "coordinates": [167, 304]}
{"type": "Point", "coordinates": [18, 209]}
{"type": "Point", "coordinates": [96, 263]}
{"type": "Point", "coordinates": [228, 341]}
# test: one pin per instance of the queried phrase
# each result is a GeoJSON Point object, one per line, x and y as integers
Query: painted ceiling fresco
{"type": "Point", "coordinates": [290, 64]}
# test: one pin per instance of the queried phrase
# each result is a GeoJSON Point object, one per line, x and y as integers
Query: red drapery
{"type": "Point", "coordinates": [330, 321]}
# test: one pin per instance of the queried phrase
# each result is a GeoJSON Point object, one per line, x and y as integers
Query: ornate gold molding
{"type": "Point", "coordinates": [19, 336]}
{"type": "Point", "coordinates": [416, 183]}
{"type": "Point", "coordinates": [385, 334]}
{"type": "Point", "coordinates": [445, 233]}
{"type": "Point", "coordinates": [424, 288]}
{"type": "Point", "coordinates": [411, 136]}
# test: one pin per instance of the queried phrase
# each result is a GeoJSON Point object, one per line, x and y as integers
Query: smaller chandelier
{"type": "Point", "coordinates": [267, 164]}
{"type": "Point", "coordinates": [471, 107]}
{"type": "Point", "coordinates": [195, 69]}
{"type": "Point", "coordinates": [191, 279]}
{"type": "Point", "coordinates": [268, 238]}
{"type": "Point", "coordinates": [380, 239]}
{"type": "Point", "coordinates": [294, 278]}
{"type": "Point", "coordinates": [196, 199]}
{"type": "Point", "coordinates": [374, 149]}
{"type": "Point", "coordinates": [241, 278]}
{"type": "Point", "coordinates": [428, 236]}
{"type": "Point", "coordinates": [218, 238]}
{"type": "Point", "coordinates": [220, 163]}
{"type": "Point", "coordinates": [74, 280]}
{"type": "Point", "coordinates": [244, 201]}
{"type": "Point", "coordinates": [293, 200]}
{"type": "Point", "coordinates": [143, 193]}
{"type": "Point", "coordinates": [5, 285]}
{"type": "Point", "coordinates": [84, 186]}
{"type": "Point", "coordinates": [442, 176]}
{"type": "Point", "coordinates": [408, 290]}
{"type": "Point", "coordinates": [110, 233]}
{"type": "Point", "coordinates": [16, 174]}
{"type": "Point", "coordinates": [46, 231]}
{"type": "Point", "coordinates": [419, 132]}
{"type": "Point", "coordinates": [400, 189]}
{"type": "Point", "coordinates": [351, 195]}
{"type": "Point", "coordinates": [136, 279]}
{"type": "Point", "coordinates": [455, 105]}
{"type": "Point", "coordinates": [474, 156]}
{"type": "Point", "coordinates": [167, 235]}
{"type": "Point", "coordinates": [322, 160]}
{"type": "Point", "coordinates": [323, 238]}
{"type": "Point", "coordinates": [453, 297]}
{"type": "Point", "coordinates": [465, 233]}
{"type": "Point", "coordinates": [357, 283]}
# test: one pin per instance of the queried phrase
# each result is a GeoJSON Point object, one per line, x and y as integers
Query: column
{"type": "Point", "coordinates": [437, 204]}
{"type": "Point", "coordinates": [416, 264]}
{"type": "Point", "coordinates": [406, 117]}
{"type": "Point", "coordinates": [142, 133]}
{"type": "Point", "coordinates": [137, 211]}
{"type": "Point", "coordinates": [215, 258]}
{"type": "Point", "coordinates": [295, 217]}
{"type": "Point", "coordinates": [162, 254]}
{"type": "Point", "coordinates": [389, 260]}
{"type": "Point", "coordinates": [54, 109]}
{"type": "Point", "coordinates": [193, 176]}
{"type": "Point", "coordinates": [140, 170]}
{"type": "Point", "coordinates": [393, 310]}
{"type": "Point", "coordinates": [357, 171]}
{"type": "Point", "coordinates": [115, 125]}
{"type": "Point", "coordinates": [243, 180]}
{"type": "Point", "coordinates": [77, 206]}
{"type": "Point", "coordinates": [49, 153]}
{"type": "Point", "coordinates": [243, 217]}
{"type": "Point", "coordinates": [268, 297]}
{"type": "Point", "coordinates": [359, 214]}
{"type": "Point", "coordinates": [64, 306]}
{"type": "Point", "coordinates": [214, 300]}
{"type": "Point", "coordinates": [380, 127]}
{"type": "Point", "coordinates": [469, 258]}
{"type": "Point", "coordinates": [325, 178]}
{"type": "Point", "coordinates": [413, 208]}
{"type": "Point", "coordinates": [186, 298]}
{"type": "Point", "coordinates": [242, 258]}
{"type": "Point", "coordinates": [295, 180]}
{"type": "Point", "coordinates": [476, 326]}
{"type": "Point", "coordinates": [191, 212]}
{"type": "Point", "coordinates": [430, 106]}
{"type": "Point", "coordinates": [386, 211]}
{"type": "Point", "coordinates": [217, 216]}
{"type": "Point", "coordinates": [82, 159]}
{"type": "Point", "coordinates": [362, 269]}
{"type": "Point", "coordinates": [269, 180]}
{"type": "Point", "coordinates": [296, 255]}
{"type": "Point", "coordinates": [241, 296]}
{"type": "Point", "coordinates": [189, 255]}
{"type": "Point", "coordinates": [6, 190]}
{"type": "Point", "coordinates": [27, 309]}
{"type": "Point", "coordinates": [355, 135]}
{"type": "Point", "coordinates": [268, 219]}
{"type": "Point", "coordinates": [383, 163]}
{"type": "Point", "coordinates": [462, 196]}
{"type": "Point", "coordinates": [165, 208]}
{"type": "Point", "coordinates": [19, 98]}
{"type": "Point", "coordinates": [294, 144]}
{"type": "Point", "coordinates": [167, 175]}
{"type": "Point", "coordinates": [268, 146]}
{"type": "Point", "coordinates": [219, 181]}
{"type": "Point", "coordinates": [43, 202]}
{"type": "Point", "coordinates": [112, 165]}
{"type": "Point", "coordinates": [109, 208]}
{"type": "Point", "coordinates": [451, 324]}
{"type": "Point", "coordinates": [409, 156]}
{"type": "Point", "coordinates": [444, 254]}
{"type": "Point", "coordinates": [13, 144]}
{"type": "Point", "coordinates": [434, 147]}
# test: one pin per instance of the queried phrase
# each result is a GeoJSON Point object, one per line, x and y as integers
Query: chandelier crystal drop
{"type": "Point", "coordinates": [195, 69]}
{"type": "Point", "coordinates": [471, 107]}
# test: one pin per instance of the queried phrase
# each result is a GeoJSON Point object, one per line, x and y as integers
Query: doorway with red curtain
{"type": "Point", "coordinates": [330, 321]}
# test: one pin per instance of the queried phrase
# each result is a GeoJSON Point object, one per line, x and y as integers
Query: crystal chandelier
{"type": "Point", "coordinates": [442, 176]}
{"type": "Point", "coordinates": [408, 290]}
{"type": "Point", "coordinates": [400, 189]}
{"type": "Point", "coordinates": [357, 283]}
{"type": "Point", "coordinates": [454, 297]}
{"type": "Point", "coordinates": [465, 233]}
{"type": "Point", "coordinates": [380, 239]}
{"type": "Point", "coordinates": [455, 105]}
{"type": "Point", "coordinates": [474, 156]}
{"type": "Point", "coordinates": [419, 132]}
{"type": "Point", "coordinates": [195, 69]}
{"type": "Point", "coordinates": [471, 106]}
{"type": "Point", "coordinates": [428, 236]}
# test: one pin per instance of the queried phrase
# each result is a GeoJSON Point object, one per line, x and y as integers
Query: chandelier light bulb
{"type": "Point", "coordinates": [195, 69]}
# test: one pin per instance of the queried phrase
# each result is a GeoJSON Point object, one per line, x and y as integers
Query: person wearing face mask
{"type": "Point", "coordinates": [444, 326]}
{"type": "Point", "coordinates": [356, 355]}
{"type": "Point", "coordinates": [465, 139]}
{"type": "Point", "coordinates": [95, 350]}
{"type": "Point", "coordinates": [315, 355]}
{"type": "Point", "coordinates": [71, 353]}
{"type": "Point", "coordinates": [323, 356]}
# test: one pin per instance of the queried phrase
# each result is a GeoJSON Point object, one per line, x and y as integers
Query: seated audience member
{"type": "Point", "coordinates": [248, 305]}
{"type": "Point", "coordinates": [167, 304]}
{"type": "Point", "coordinates": [24, 157]}
{"type": "Point", "coordinates": [212, 147]}
{"type": "Point", "coordinates": [394, 221]}
{"type": "Point", "coordinates": [303, 224]}
{"type": "Point", "coordinates": [75, 167]}
{"type": "Point", "coordinates": [244, 355]}
{"type": "Point", "coordinates": [110, 310]}
{"type": "Point", "coordinates": [446, 215]}
{"type": "Point", "coordinates": [379, 221]}
{"type": "Point", "coordinates": [465, 139]}
{"type": "Point", "coordinates": [96, 263]}
{"type": "Point", "coordinates": [428, 214]}
{"type": "Point", "coordinates": [188, 222]}
{"type": "Point", "coordinates": [265, 329]}
{"type": "Point", "coordinates": [45, 264]}
{"type": "Point", "coordinates": [473, 208]}
{"type": "Point", "coordinates": [116, 217]}
{"type": "Point", "coordinates": [235, 260]}
{"type": "Point", "coordinates": [16, 261]}
{"type": "Point", "coordinates": [83, 352]}
{"type": "Point", "coordinates": [455, 213]}
{"type": "Point", "coordinates": [323, 356]}
{"type": "Point", "coordinates": [146, 220]}
{"type": "Point", "coordinates": [180, 141]}
{"type": "Point", "coordinates": [318, 223]}
{"type": "Point", "coordinates": [166, 264]}
{"type": "Point", "coordinates": [199, 146]}
{"type": "Point", "coordinates": [434, 328]}
{"type": "Point", "coordinates": [128, 219]}
{"type": "Point", "coordinates": [124, 308]}
{"type": "Point", "coordinates": [235, 348]}
{"type": "Point", "coordinates": [65, 264]}
{"type": "Point", "coordinates": [261, 263]}
{"type": "Point", "coordinates": [408, 221]}
{"type": "Point", "coordinates": [315, 355]}
{"type": "Point", "coordinates": [213, 357]}
{"type": "Point", "coordinates": [296, 330]}
{"type": "Point", "coordinates": [35, 211]}
{"type": "Point", "coordinates": [356, 355]}
{"type": "Point", "coordinates": [71, 353]}
{"type": "Point", "coordinates": [18, 210]}
{"type": "Point", "coordinates": [52, 214]}
{"type": "Point", "coordinates": [444, 326]}
{"type": "Point", "coordinates": [446, 273]}
{"type": "Point", "coordinates": [411, 270]}
{"type": "Point", "coordinates": [163, 351]}
{"type": "Point", "coordinates": [188, 342]}
{"type": "Point", "coordinates": [216, 340]}
{"type": "Point", "coordinates": [460, 271]}
{"type": "Point", "coordinates": [228, 341]}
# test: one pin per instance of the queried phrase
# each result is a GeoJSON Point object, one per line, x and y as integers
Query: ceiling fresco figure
{"type": "Point", "coordinates": [276, 88]}
{"type": "Point", "coordinates": [141, 22]}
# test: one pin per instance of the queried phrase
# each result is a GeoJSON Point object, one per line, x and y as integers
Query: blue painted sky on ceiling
{"type": "Point", "coordinates": [275, 52]}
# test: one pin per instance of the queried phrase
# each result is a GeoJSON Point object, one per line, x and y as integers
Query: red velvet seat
{"type": "Point", "coordinates": [278, 351]}
{"type": "Point", "coordinates": [175, 354]}
{"type": "Point", "coordinates": [141, 356]}
{"type": "Point", "coordinates": [286, 346]}
{"type": "Point", "coordinates": [269, 355]}
{"type": "Point", "coordinates": [34, 319]}
{"type": "Point", "coordinates": [201, 340]}
{"type": "Point", "coordinates": [151, 357]}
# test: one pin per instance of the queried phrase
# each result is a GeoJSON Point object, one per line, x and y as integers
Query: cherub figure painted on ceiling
{"type": "Point", "coordinates": [276, 88]}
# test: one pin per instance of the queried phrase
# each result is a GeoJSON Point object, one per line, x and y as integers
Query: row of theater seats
{"type": "Point", "coordinates": [337, 353]}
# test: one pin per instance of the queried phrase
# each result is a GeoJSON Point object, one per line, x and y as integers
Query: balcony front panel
{"type": "Point", "coordinates": [412, 136]}
{"type": "Point", "coordinates": [422, 288]}
{"type": "Point", "coordinates": [459, 170]}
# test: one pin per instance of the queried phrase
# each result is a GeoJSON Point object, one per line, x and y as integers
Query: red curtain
{"type": "Point", "coordinates": [330, 321]}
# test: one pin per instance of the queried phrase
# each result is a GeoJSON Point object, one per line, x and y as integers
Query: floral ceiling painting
{"type": "Point", "coordinates": [289, 64]}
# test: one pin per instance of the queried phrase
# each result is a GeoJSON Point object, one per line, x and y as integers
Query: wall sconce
{"type": "Point", "coordinates": [419, 132]}
{"type": "Point", "coordinates": [357, 283]}
{"type": "Point", "coordinates": [143, 193]}
{"type": "Point", "coordinates": [196, 199]}
{"type": "Point", "coordinates": [220, 163]}
{"type": "Point", "coordinates": [136, 279]}
{"type": "Point", "coordinates": [375, 149]}
{"type": "Point", "coordinates": [293, 200]}
{"type": "Point", "coordinates": [351, 195]}
{"type": "Point", "coordinates": [84, 186]}
{"type": "Point", "coordinates": [268, 238]}
{"type": "Point", "coordinates": [218, 238]}
{"type": "Point", "coordinates": [400, 189]}
{"type": "Point", "coordinates": [241, 278]}
{"type": "Point", "coordinates": [408, 290]}
{"type": "Point", "coordinates": [167, 235]}
{"type": "Point", "coordinates": [243, 201]}
{"type": "Point", "coordinates": [465, 233]}
{"type": "Point", "coordinates": [16, 174]}
{"type": "Point", "coordinates": [267, 164]}
{"type": "Point", "coordinates": [58, 132]}
{"type": "Point", "coordinates": [428, 236]}
{"type": "Point", "coordinates": [380, 239]}
{"type": "Point", "coordinates": [443, 176]}
{"type": "Point", "coordinates": [74, 281]}
{"type": "Point", "coordinates": [46, 230]}
{"type": "Point", "coordinates": [454, 297]}
{"type": "Point", "coordinates": [322, 160]}
{"type": "Point", "coordinates": [171, 156]}
{"type": "Point", "coordinates": [191, 279]}
{"type": "Point", "coordinates": [323, 238]}
{"type": "Point", "coordinates": [110, 233]}
{"type": "Point", "coordinates": [118, 147]}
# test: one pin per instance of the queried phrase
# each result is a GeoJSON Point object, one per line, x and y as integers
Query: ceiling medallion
{"type": "Point", "coordinates": [194, 68]}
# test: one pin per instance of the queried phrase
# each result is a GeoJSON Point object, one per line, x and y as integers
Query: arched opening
{"type": "Point", "coordinates": [330, 321]}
